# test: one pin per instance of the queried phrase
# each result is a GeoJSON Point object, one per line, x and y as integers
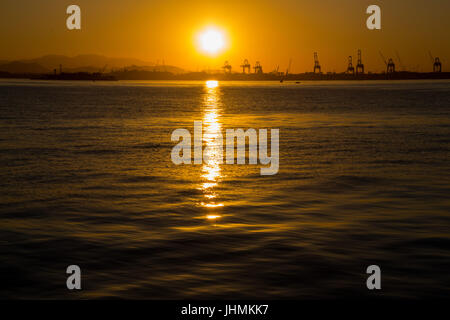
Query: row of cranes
{"type": "Point", "coordinates": [359, 65]}
{"type": "Point", "coordinates": [246, 67]}
{"type": "Point", "coordinates": [390, 65]}
{"type": "Point", "coordinates": [351, 69]}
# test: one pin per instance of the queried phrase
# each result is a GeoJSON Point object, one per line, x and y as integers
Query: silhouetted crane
{"type": "Point", "coordinates": [258, 68]}
{"type": "Point", "coordinates": [287, 71]}
{"type": "Point", "coordinates": [316, 63]}
{"type": "Point", "coordinates": [289, 67]}
{"type": "Point", "coordinates": [359, 66]}
{"type": "Point", "coordinates": [350, 68]}
{"type": "Point", "coordinates": [390, 65]}
{"type": "Point", "coordinates": [245, 66]}
{"type": "Point", "coordinates": [437, 65]}
{"type": "Point", "coordinates": [227, 67]}
{"type": "Point", "coordinates": [103, 69]}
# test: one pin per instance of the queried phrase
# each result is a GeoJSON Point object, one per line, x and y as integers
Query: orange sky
{"type": "Point", "coordinates": [269, 31]}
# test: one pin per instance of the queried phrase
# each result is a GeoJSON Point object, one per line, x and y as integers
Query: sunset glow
{"type": "Point", "coordinates": [211, 41]}
{"type": "Point", "coordinates": [192, 153]}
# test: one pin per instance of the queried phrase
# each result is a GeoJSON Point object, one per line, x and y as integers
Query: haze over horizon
{"type": "Point", "coordinates": [266, 31]}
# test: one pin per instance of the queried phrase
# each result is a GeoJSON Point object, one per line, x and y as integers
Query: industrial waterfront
{"type": "Point", "coordinates": [394, 70]}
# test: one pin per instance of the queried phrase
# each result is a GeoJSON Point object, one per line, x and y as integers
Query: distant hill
{"type": "Point", "coordinates": [81, 69]}
{"type": "Point", "coordinates": [53, 61]}
{"type": "Point", "coordinates": [82, 63]}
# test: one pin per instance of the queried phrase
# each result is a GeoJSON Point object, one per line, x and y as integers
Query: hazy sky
{"type": "Point", "coordinates": [269, 31]}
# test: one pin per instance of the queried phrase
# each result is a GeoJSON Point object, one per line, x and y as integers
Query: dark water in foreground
{"type": "Point", "coordinates": [86, 179]}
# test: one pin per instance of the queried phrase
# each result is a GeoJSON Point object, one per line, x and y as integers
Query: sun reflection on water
{"type": "Point", "coordinates": [212, 130]}
{"type": "Point", "coordinates": [212, 84]}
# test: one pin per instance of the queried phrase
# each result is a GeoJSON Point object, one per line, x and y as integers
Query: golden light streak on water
{"type": "Point", "coordinates": [212, 130]}
{"type": "Point", "coordinates": [212, 205]}
{"type": "Point", "coordinates": [212, 217]}
{"type": "Point", "coordinates": [207, 185]}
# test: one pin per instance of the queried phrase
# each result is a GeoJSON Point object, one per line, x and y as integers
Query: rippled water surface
{"type": "Point", "coordinates": [87, 179]}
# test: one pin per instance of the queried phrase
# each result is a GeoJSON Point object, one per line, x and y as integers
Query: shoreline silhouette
{"type": "Point", "coordinates": [156, 75]}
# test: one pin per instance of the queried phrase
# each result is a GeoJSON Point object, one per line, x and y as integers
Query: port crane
{"type": "Point", "coordinates": [289, 67]}
{"type": "Point", "coordinates": [227, 67]}
{"type": "Point", "coordinates": [437, 65]}
{"type": "Point", "coordinates": [390, 65]}
{"type": "Point", "coordinates": [276, 71]}
{"type": "Point", "coordinates": [350, 68]}
{"type": "Point", "coordinates": [287, 71]}
{"type": "Point", "coordinates": [359, 65]}
{"type": "Point", "coordinates": [258, 68]}
{"type": "Point", "coordinates": [316, 63]}
{"type": "Point", "coordinates": [245, 66]}
{"type": "Point", "coordinates": [103, 69]}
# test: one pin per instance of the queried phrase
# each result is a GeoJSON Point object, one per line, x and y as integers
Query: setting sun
{"type": "Point", "coordinates": [211, 41]}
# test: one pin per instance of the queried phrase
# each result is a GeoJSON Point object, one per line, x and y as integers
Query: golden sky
{"type": "Point", "coordinates": [269, 31]}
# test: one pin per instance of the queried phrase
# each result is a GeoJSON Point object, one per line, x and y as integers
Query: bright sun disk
{"type": "Point", "coordinates": [211, 41]}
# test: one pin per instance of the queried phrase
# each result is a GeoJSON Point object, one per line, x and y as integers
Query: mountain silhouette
{"type": "Point", "coordinates": [93, 60]}
{"type": "Point", "coordinates": [81, 63]}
